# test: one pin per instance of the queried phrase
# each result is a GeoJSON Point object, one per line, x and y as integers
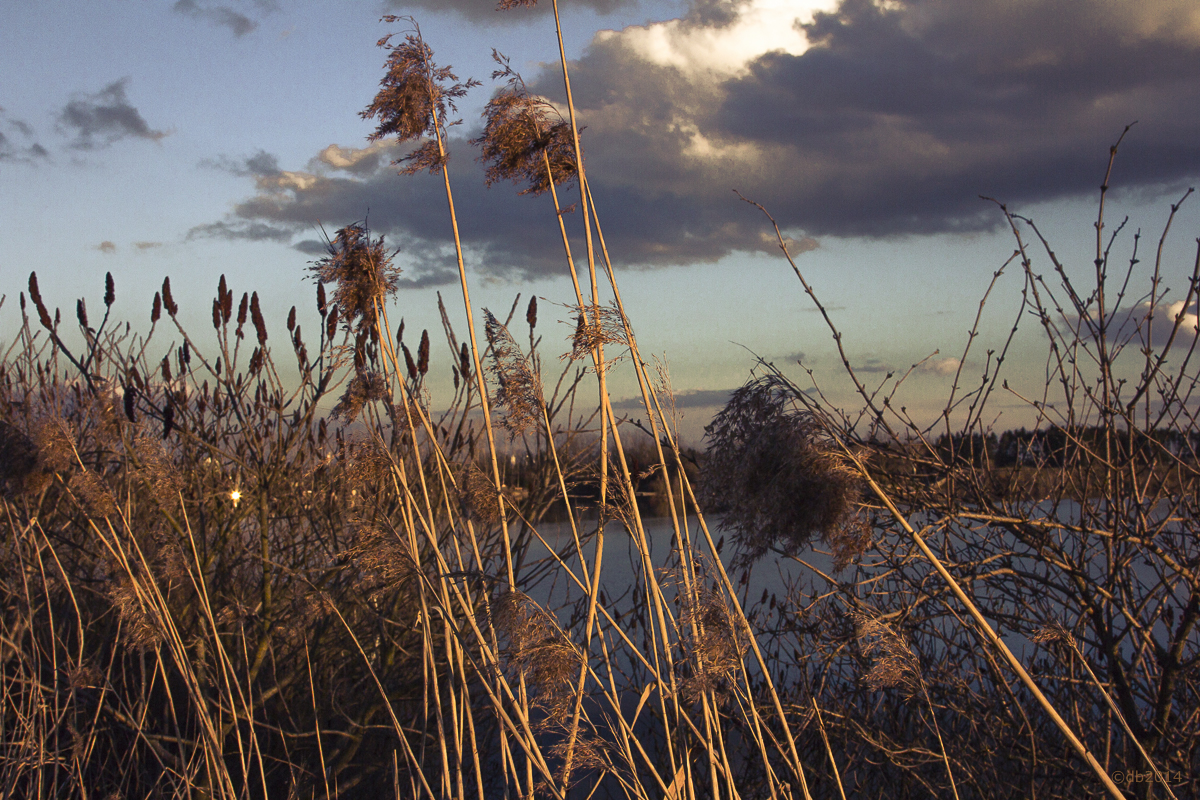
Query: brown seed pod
{"type": "Point", "coordinates": [130, 400]}
{"type": "Point", "coordinates": [226, 300]}
{"type": "Point", "coordinates": [409, 363]}
{"type": "Point", "coordinates": [36, 296]}
{"type": "Point", "coordinates": [260, 327]}
{"type": "Point", "coordinates": [168, 301]}
{"type": "Point", "coordinates": [241, 317]}
{"type": "Point", "coordinates": [423, 353]}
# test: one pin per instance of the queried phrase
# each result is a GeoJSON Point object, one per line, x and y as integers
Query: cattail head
{"type": "Point", "coordinates": [260, 325]}
{"type": "Point", "coordinates": [241, 315]}
{"type": "Point", "coordinates": [36, 296]}
{"type": "Point", "coordinates": [423, 353]}
{"type": "Point", "coordinates": [776, 478]}
{"type": "Point", "coordinates": [167, 299]}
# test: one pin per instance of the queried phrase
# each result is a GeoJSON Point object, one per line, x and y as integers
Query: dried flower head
{"type": "Point", "coordinates": [138, 628]}
{"type": "Point", "coordinates": [537, 648]}
{"type": "Point", "coordinates": [158, 470]}
{"type": "Point", "coordinates": [714, 640]}
{"type": "Point", "coordinates": [1055, 633]}
{"type": "Point", "coordinates": [367, 463]}
{"type": "Point", "coordinates": [55, 442]}
{"type": "Point", "coordinates": [363, 388]}
{"type": "Point", "coordinates": [18, 461]}
{"type": "Point", "coordinates": [524, 139]}
{"type": "Point", "coordinates": [383, 558]}
{"type": "Point", "coordinates": [91, 489]}
{"type": "Point", "coordinates": [595, 326]}
{"type": "Point", "coordinates": [587, 752]}
{"type": "Point", "coordinates": [478, 494]}
{"type": "Point", "coordinates": [776, 478]}
{"type": "Point", "coordinates": [413, 100]}
{"type": "Point", "coordinates": [518, 391]}
{"type": "Point", "coordinates": [361, 270]}
{"type": "Point", "coordinates": [894, 662]}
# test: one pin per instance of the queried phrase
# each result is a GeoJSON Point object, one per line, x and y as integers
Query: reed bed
{"type": "Point", "coordinates": [214, 588]}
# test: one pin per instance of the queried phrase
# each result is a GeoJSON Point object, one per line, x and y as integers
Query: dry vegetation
{"type": "Point", "coordinates": [212, 589]}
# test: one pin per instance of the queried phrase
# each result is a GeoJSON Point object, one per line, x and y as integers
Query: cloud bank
{"type": "Point", "coordinates": [869, 119]}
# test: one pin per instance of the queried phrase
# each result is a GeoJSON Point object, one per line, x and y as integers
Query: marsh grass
{"type": "Point", "coordinates": [211, 588]}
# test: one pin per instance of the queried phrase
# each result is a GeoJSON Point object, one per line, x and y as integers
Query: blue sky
{"type": "Point", "coordinates": [196, 138]}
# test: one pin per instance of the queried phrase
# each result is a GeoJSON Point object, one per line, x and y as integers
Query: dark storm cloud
{"type": "Point", "coordinates": [905, 116]}
{"type": "Point", "coordinates": [487, 10]}
{"type": "Point", "coordinates": [224, 16]}
{"type": "Point", "coordinates": [101, 119]}
{"type": "Point", "coordinates": [504, 234]}
{"type": "Point", "coordinates": [893, 122]}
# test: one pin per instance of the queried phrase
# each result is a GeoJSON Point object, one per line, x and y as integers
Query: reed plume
{"type": "Point", "coordinates": [524, 139]}
{"type": "Point", "coordinates": [775, 478]}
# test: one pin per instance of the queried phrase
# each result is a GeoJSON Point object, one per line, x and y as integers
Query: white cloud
{"type": "Point", "coordinates": [942, 366]}
{"type": "Point", "coordinates": [761, 26]}
{"type": "Point", "coordinates": [300, 181]}
{"type": "Point", "coordinates": [1190, 320]}
{"type": "Point", "coordinates": [352, 159]}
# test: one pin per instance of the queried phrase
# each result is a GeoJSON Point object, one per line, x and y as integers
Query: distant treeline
{"type": "Point", "coordinates": [1054, 446]}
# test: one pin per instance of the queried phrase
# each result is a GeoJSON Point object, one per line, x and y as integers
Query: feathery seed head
{"type": "Point", "coordinates": [524, 140]}
{"type": "Point", "coordinates": [413, 100]}
{"type": "Point", "coordinates": [894, 663]}
{"type": "Point", "coordinates": [776, 478]}
{"type": "Point", "coordinates": [361, 270]}
{"type": "Point", "coordinates": [518, 391]}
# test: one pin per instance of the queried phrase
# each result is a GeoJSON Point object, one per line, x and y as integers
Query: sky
{"type": "Point", "coordinates": [195, 138]}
